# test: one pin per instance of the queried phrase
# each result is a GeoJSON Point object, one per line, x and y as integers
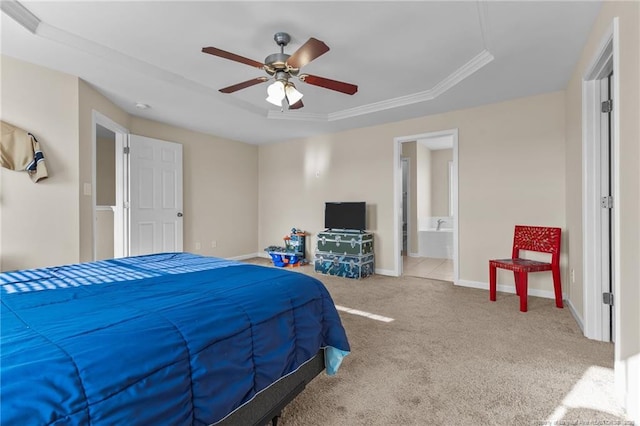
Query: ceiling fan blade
{"type": "Point", "coordinates": [338, 86]}
{"type": "Point", "coordinates": [307, 53]}
{"type": "Point", "coordinates": [232, 56]}
{"type": "Point", "coordinates": [297, 105]}
{"type": "Point", "coordinates": [244, 85]}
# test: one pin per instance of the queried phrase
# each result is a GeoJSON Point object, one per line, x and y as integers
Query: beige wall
{"type": "Point", "coordinates": [40, 221]}
{"type": "Point", "coordinates": [50, 223]}
{"type": "Point", "coordinates": [440, 159]}
{"type": "Point", "coordinates": [220, 189]}
{"type": "Point", "coordinates": [297, 177]}
{"type": "Point", "coordinates": [104, 234]}
{"type": "Point", "coordinates": [511, 171]}
{"type": "Point", "coordinates": [423, 180]}
{"type": "Point", "coordinates": [105, 172]}
{"type": "Point", "coordinates": [501, 146]}
{"type": "Point", "coordinates": [409, 150]}
{"type": "Point", "coordinates": [628, 343]}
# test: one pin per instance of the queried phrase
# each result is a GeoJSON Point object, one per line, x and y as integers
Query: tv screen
{"type": "Point", "coordinates": [351, 215]}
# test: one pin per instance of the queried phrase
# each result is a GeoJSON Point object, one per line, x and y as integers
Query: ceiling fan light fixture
{"type": "Point", "coordinates": [293, 95]}
{"type": "Point", "coordinates": [276, 93]}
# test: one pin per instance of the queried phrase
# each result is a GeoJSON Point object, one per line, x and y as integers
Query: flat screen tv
{"type": "Point", "coordinates": [348, 215]}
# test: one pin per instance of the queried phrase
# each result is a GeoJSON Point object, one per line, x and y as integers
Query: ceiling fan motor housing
{"type": "Point", "coordinates": [278, 61]}
{"type": "Point", "coordinates": [282, 38]}
{"type": "Point", "coordinates": [275, 62]}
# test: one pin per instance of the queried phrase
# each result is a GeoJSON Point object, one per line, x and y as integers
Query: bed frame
{"type": "Point", "coordinates": [267, 405]}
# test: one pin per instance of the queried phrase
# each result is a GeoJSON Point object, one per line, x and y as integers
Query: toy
{"type": "Point", "coordinates": [293, 252]}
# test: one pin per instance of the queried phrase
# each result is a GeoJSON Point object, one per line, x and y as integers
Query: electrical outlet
{"type": "Point", "coordinates": [214, 244]}
{"type": "Point", "coordinates": [198, 246]}
{"type": "Point", "coordinates": [573, 276]}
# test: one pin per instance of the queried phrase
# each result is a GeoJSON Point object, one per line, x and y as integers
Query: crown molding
{"type": "Point", "coordinates": [476, 63]}
{"type": "Point", "coordinates": [483, 20]}
{"type": "Point", "coordinates": [473, 65]}
{"type": "Point", "coordinates": [20, 14]}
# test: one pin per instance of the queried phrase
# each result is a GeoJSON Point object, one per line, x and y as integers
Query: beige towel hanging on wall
{"type": "Point", "coordinates": [19, 150]}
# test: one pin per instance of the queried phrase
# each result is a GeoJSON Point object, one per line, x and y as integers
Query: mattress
{"type": "Point", "coordinates": [171, 338]}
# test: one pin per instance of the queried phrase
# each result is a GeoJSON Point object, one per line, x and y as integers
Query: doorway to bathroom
{"type": "Point", "coordinates": [427, 214]}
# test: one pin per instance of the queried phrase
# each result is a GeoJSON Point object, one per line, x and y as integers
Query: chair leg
{"type": "Point", "coordinates": [492, 283]}
{"type": "Point", "coordinates": [515, 279]}
{"type": "Point", "coordinates": [557, 286]}
{"type": "Point", "coordinates": [523, 284]}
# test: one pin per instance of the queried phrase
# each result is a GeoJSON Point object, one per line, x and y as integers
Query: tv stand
{"type": "Point", "coordinates": [345, 253]}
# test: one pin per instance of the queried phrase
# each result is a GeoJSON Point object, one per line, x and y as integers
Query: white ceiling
{"type": "Point", "coordinates": [409, 59]}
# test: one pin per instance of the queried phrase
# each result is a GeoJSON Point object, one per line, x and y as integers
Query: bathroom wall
{"type": "Point", "coordinates": [105, 172]}
{"type": "Point", "coordinates": [440, 184]}
{"type": "Point", "coordinates": [105, 197]}
{"type": "Point", "coordinates": [423, 181]}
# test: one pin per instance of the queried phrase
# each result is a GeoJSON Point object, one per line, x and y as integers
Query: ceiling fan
{"type": "Point", "coordinates": [281, 67]}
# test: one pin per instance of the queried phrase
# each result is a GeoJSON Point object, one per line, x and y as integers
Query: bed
{"type": "Point", "coordinates": [171, 338]}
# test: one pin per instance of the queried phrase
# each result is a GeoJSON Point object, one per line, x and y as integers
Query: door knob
{"type": "Point", "coordinates": [179, 214]}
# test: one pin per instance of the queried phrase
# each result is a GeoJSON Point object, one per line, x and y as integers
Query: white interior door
{"type": "Point", "coordinates": [155, 196]}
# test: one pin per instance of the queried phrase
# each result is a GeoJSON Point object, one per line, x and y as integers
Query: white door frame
{"type": "Point", "coordinates": [596, 318]}
{"type": "Point", "coordinates": [120, 222]}
{"type": "Point", "coordinates": [397, 196]}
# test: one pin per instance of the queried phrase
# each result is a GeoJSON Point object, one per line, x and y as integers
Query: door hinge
{"type": "Point", "coordinates": [607, 106]}
{"type": "Point", "coordinates": [606, 202]}
{"type": "Point", "coordinates": [126, 149]}
{"type": "Point", "coordinates": [607, 298]}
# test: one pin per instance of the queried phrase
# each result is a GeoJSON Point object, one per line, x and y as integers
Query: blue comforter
{"type": "Point", "coordinates": [172, 338]}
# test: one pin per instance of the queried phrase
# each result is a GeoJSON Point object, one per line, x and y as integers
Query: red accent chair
{"type": "Point", "coordinates": [532, 238]}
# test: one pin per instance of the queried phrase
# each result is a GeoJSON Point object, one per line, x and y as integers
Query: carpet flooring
{"type": "Point", "coordinates": [451, 357]}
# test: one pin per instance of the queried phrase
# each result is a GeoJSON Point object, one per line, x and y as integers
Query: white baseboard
{"type": "Point", "coordinates": [387, 272]}
{"type": "Point", "coordinates": [575, 314]}
{"type": "Point", "coordinates": [246, 256]}
{"type": "Point", "coordinates": [505, 288]}
{"type": "Point", "coordinates": [414, 254]}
